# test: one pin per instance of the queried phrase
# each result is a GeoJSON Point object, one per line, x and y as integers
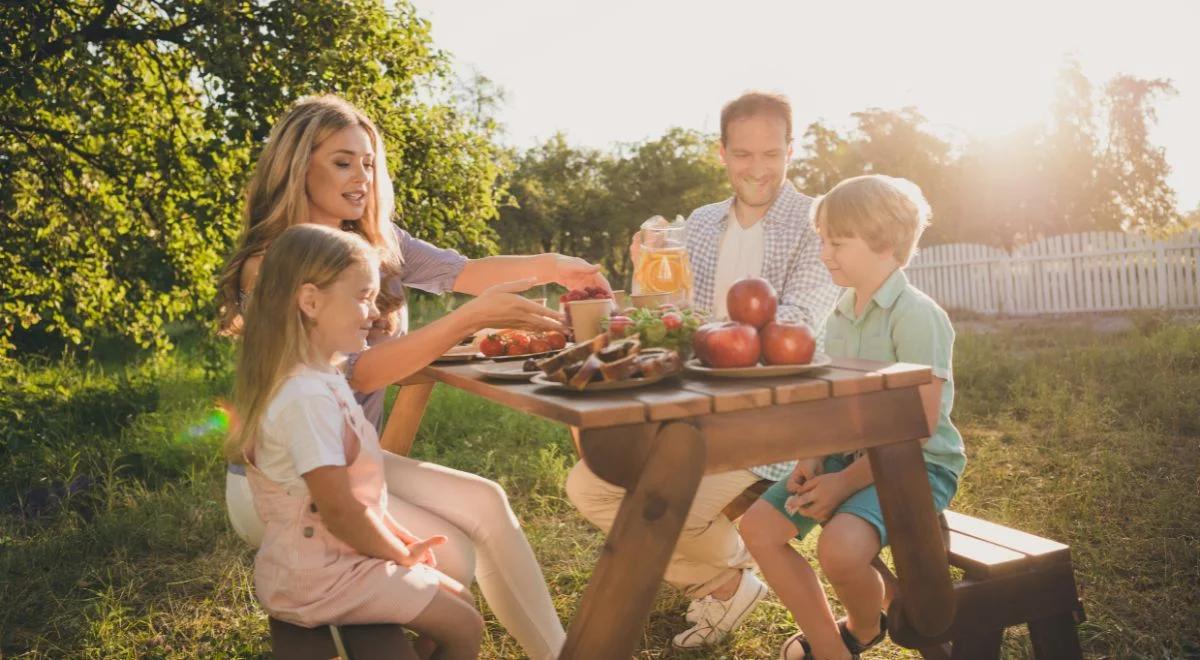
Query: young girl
{"type": "Point", "coordinates": [869, 229]}
{"type": "Point", "coordinates": [331, 553]}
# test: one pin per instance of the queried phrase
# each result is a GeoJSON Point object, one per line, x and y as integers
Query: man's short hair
{"type": "Point", "coordinates": [886, 212]}
{"type": "Point", "coordinates": [753, 104]}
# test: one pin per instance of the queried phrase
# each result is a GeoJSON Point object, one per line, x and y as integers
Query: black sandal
{"type": "Point", "coordinates": [798, 638]}
{"type": "Point", "coordinates": [856, 647]}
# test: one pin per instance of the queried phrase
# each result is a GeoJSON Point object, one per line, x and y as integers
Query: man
{"type": "Point", "coordinates": [762, 231]}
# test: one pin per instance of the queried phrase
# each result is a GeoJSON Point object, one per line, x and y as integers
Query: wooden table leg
{"type": "Point", "coordinates": [618, 598]}
{"type": "Point", "coordinates": [926, 591]}
{"type": "Point", "coordinates": [405, 417]}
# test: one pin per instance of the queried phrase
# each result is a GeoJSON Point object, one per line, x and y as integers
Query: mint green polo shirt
{"type": "Point", "coordinates": [902, 324]}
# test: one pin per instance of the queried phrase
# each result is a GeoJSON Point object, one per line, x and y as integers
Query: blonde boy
{"type": "Point", "coordinates": [869, 228]}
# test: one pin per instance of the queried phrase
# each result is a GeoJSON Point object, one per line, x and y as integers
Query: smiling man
{"type": "Point", "coordinates": [762, 231]}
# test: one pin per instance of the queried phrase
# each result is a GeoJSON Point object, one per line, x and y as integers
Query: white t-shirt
{"type": "Point", "coordinates": [741, 255]}
{"type": "Point", "coordinates": [303, 428]}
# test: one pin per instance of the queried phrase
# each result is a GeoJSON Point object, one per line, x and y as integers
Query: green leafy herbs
{"type": "Point", "coordinates": [665, 327]}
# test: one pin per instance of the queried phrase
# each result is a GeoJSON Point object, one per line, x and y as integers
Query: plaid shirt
{"type": "Point", "coordinates": [792, 264]}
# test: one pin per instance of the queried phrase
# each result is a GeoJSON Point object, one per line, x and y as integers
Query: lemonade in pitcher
{"type": "Point", "coordinates": [662, 262]}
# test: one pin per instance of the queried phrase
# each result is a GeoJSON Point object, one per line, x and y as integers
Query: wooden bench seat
{"type": "Point", "coordinates": [383, 641]}
{"type": "Point", "coordinates": [1010, 578]}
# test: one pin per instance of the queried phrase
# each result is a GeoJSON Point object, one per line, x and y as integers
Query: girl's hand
{"type": "Point", "coordinates": [820, 496]}
{"type": "Point", "coordinates": [806, 468]}
{"type": "Point", "coordinates": [575, 273]}
{"type": "Point", "coordinates": [421, 552]}
{"type": "Point", "coordinates": [501, 307]}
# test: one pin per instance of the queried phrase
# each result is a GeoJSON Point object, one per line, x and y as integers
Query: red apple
{"type": "Point", "coordinates": [731, 345]}
{"type": "Point", "coordinates": [752, 301]}
{"type": "Point", "coordinates": [699, 339]}
{"type": "Point", "coordinates": [787, 343]}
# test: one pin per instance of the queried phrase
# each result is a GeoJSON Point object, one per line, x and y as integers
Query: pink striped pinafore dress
{"type": "Point", "coordinates": [305, 575]}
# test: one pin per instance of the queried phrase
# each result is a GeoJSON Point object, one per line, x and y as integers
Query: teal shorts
{"type": "Point", "coordinates": [864, 503]}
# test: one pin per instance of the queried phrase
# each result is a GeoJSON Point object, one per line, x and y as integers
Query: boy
{"type": "Point", "coordinates": [869, 228]}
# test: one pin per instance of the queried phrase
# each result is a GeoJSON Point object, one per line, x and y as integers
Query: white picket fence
{"type": "Point", "coordinates": [1089, 272]}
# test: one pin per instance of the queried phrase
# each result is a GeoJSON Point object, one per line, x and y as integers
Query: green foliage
{"type": "Point", "coordinates": [589, 203]}
{"type": "Point", "coordinates": [129, 130]}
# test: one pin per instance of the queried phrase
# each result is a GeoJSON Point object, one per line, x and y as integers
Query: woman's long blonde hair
{"type": "Point", "coordinates": [276, 199]}
{"type": "Point", "coordinates": [275, 333]}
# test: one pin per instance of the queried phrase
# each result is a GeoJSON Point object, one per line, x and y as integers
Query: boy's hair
{"type": "Point", "coordinates": [276, 198]}
{"type": "Point", "coordinates": [753, 104]}
{"type": "Point", "coordinates": [275, 336]}
{"type": "Point", "coordinates": [886, 212]}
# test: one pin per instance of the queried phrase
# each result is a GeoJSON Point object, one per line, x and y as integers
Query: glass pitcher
{"type": "Point", "coordinates": [662, 265]}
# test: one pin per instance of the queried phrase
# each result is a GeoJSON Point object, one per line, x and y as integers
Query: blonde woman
{"type": "Point", "coordinates": [324, 164]}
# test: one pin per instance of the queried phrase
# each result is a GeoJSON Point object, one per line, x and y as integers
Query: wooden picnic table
{"type": "Point", "coordinates": [658, 441]}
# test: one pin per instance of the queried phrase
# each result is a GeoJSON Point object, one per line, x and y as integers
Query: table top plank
{"type": "Point", "coordinates": [729, 396]}
{"type": "Point", "coordinates": [899, 374]}
{"type": "Point", "coordinates": [669, 400]}
{"type": "Point", "coordinates": [808, 388]}
{"type": "Point", "coordinates": [845, 382]}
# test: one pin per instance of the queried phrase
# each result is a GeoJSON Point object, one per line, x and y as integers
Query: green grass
{"type": "Point", "coordinates": [1093, 440]}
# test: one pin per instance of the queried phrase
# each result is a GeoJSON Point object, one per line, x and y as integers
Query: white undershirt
{"type": "Point", "coordinates": [741, 255]}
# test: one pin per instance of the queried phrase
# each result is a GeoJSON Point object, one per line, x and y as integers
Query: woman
{"type": "Point", "coordinates": [324, 163]}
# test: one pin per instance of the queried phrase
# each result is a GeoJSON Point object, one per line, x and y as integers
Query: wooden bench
{"type": "Point", "coordinates": [361, 642]}
{"type": "Point", "coordinates": [1010, 578]}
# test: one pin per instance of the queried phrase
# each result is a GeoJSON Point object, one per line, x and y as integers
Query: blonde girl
{"type": "Point", "coordinates": [331, 553]}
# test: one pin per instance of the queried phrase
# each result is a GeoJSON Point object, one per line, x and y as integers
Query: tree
{"type": "Point", "coordinates": [1136, 171]}
{"type": "Point", "coordinates": [129, 130]}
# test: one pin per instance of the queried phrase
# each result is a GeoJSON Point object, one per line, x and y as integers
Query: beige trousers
{"type": "Point", "coordinates": [709, 552]}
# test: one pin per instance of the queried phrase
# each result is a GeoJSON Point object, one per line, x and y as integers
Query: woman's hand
{"type": "Point", "coordinates": [575, 273]}
{"type": "Point", "coordinates": [501, 307]}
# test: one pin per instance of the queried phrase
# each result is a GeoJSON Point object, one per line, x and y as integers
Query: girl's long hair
{"type": "Point", "coordinates": [275, 334]}
{"type": "Point", "coordinates": [276, 199]}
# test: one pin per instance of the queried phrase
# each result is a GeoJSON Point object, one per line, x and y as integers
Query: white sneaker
{"type": "Point", "coordinates": [715, 619]}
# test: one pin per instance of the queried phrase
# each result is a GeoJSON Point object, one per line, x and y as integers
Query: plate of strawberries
{"type": "Point", "coordinates": [502, 345]}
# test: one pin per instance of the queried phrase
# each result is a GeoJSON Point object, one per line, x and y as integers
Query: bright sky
{"type": "Point", "coordinates": [626, 70]}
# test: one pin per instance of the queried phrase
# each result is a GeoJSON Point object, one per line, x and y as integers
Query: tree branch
{"type": "Point", "coordinates": [96, 32]}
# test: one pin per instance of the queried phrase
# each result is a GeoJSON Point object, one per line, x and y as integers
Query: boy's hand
{"type": "Point", "coordinates": [806, 468]}
{"type": "Point", "coordinates": [821, 495]}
